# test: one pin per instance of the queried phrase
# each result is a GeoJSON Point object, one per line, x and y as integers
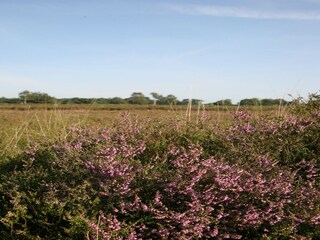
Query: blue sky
{"type": "Point", "coordinates": [205, 49]}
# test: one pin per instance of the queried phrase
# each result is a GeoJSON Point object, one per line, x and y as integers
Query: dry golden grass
{"type": "Point", "coordinates": [23, 125]}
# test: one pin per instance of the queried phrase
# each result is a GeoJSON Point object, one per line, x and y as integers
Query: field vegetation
{"type": "Point", "coordinates": [136, 98]}
{"type": "Point", "coordinates": [160, 172]}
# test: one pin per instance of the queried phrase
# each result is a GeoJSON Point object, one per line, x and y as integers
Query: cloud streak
{"type": "Point", "coordinates": [238, 12]}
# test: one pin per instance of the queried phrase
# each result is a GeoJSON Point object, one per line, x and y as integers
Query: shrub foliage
{"type": "Point", "coordinates": [256, 179]}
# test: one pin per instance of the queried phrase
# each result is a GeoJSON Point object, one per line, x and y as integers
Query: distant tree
{"type": "Point", "coordinates": [13, 100]}
{"type": "Point", "coordinates": [267, 102]}
{"type": "Point", "coordinates": [196, 101]}
{"type": "Point", "coordinates": [63, 100]}
{"type": "Point", "coordinates": [24, 96]}
{"type": "Point", "coordinates": [156, 97]}
{"type": "Point", "coordinates": [117, 100]}
{"type": "Point", "coordinates": [280, 101]}
{"type": "Point", "coordinates": [193, 101]}
{"type": "Point", "coordinates": [38, 97]}
{"type": "Point", "coordinates": [102, 100]}
{"type": "Point", "coordinates": [171, 99]}
{"type": "Point", "coordinates": [250, 102]}
{"type": "Point", "coordinates": [272, 102]}
{"type": "Point", "coordinates": [184, 102]}
{"type": "Point", "coordinates": [138, 98]}
{"type": "Point", "coordinates": [35, 97]}
{"type": "Point", "coordinates": [82, 100]}
{"type": "Point", "coordinates": [284, 102]}
{"type": "Point", "coordinates": [223, 102]}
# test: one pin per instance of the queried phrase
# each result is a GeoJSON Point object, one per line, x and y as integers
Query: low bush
{"type": "Point", "coordinates": [256, 179]}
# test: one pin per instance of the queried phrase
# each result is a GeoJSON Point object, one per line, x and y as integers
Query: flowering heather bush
{"type": "Point", "coordinates": [256, 179]}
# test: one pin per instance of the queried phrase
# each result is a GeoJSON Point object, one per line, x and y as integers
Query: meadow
{"type": "Point", "coordinates": [22, 125]}
{"type": "Point", "coordinates": [159, 172]}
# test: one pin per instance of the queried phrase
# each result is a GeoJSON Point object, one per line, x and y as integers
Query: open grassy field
{"type": "Point", "coordinates": [21, 125]}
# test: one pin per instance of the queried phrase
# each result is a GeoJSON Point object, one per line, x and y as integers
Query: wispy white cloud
{"type": "Point", "coordinates": [239, 12]}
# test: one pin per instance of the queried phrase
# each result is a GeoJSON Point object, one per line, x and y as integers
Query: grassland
{"type": "Point", "coordinates": [22, 125]}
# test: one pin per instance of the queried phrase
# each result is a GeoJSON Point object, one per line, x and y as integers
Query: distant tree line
{"type": "Point", "coordinates": [252, 102]}
{"type": "Point", "coordinates": [28, 97]}
{"type": "Point", "coordinates": [264, 102]}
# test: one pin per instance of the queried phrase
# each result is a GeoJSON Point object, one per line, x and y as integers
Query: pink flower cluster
{"type": "Point", "coordinates": [188, 192]}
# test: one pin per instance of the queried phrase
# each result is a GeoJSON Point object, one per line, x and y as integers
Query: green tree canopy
{"type": "Point", "coordinates": [157, 97]}
{"type": "Point", "coordinates": [35, 97]}
{"type": "Point", "coordinates": [250, 102]}
{"type": "Point", "coordinates": [24, 95]}
{"type": "Point", "coordinates": [171, 99]}
{"type": "Point", "coordinates": [271, 102]}
{"type": "Point", "coordinates": [138, 98]}
{"type": "Point", "coordinates": [223, 102]}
